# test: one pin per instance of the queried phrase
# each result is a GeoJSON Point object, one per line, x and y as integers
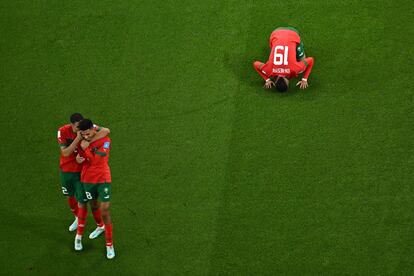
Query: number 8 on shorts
{"type": "Point", "coordinates": [101, 191]}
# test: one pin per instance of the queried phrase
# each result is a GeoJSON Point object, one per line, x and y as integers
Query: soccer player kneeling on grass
{"type": "Point", "coordinates": [96, 180]}
{"type": "Point", "coordinates": [68, 137]}
{"type": "Point", "coordinates": [287, 60]}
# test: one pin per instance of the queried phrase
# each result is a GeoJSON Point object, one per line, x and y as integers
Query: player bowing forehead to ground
{"type": "Point", "coordinates": [68, 137]}
{"type": "Point", "coordinates": [287, 60]}
{"type": "Point", "coordinates": [96, 180]}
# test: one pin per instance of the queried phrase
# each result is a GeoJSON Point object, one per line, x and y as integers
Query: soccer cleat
{"type": "Point", "coordinates": [97, 232]}
{"type": "Point", "coordinates": [74, 225]}
{"type": "Point", "coordinates": [110, 252]}
{"type": "Point", "coordinates": [78, 243]}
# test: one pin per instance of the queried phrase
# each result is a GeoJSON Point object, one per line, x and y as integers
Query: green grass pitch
{"type": "Point", "coordinates": [212, 175]}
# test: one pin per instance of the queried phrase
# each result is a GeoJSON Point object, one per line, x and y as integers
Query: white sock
{"type": "Point", "coordinates": [78, 237]}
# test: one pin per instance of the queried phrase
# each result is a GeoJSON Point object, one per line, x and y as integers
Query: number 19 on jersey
{"type": "Point", "coordinates": [281, 58]}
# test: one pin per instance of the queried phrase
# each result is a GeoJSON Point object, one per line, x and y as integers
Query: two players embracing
{"type": "Point", "coordinates": [86, 177]}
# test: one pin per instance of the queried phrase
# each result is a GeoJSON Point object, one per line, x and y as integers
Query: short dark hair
{"type": "Point", "coordinates": [75, 117]}
{"type": "Point", "coordinates": [281, 85]}
{"type": "Point", "coordinates": [85, 124]}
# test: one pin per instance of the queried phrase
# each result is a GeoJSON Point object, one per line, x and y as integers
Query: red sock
{"type": "Point", "coordinates": [98, 218]}
{"type": "Point", "coordinates": [73, 205]}
{"type": "Point", "coordinates": [108, 234]}
{"type": "Point", "coordinates": [82, 213]}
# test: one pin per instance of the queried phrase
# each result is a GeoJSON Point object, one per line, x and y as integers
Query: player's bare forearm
{"type": "Point", "coordinates": [101, 134]}
{"type": "Point", "coordinates": [71, 148]}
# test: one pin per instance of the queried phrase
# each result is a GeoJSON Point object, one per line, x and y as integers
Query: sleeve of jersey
{"type": "Point", "coordinates": [97, 128]}
{"type": "Point", "coordinates": [61, 139]}
{"type": "Point", "coordinates": [81, 152]}
{"type": "Point", "coordinates": [309, 62]}
{"type": "Point", "coordinates": [88, 154]}
{"type": "Point", "coordinates": [102, 151]}
{"type": "Point", "coordinates": [266, 70]}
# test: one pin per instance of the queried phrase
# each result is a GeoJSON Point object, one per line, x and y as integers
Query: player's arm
{"type": "Point", "coordinates": [94, 156]}
{"type": "Point", "coordinates": [262, 69]}
{"type": "Point", "coordinates": [80, 159]}
{"type": "Point", "coordinates": [309, 64]}
{"type": "Point", "coordinates": [101, 133]}
{"type": "Point", "coordinates": [68, 150]}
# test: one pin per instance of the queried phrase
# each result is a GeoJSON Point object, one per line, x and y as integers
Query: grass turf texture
{"type": "Point", "coordinates": [212, 174]}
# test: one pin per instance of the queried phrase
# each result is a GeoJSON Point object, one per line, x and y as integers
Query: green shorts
{"type": "Point", "coordinates": [98, 190]}
{"type": "Point", "coordinates": [289, 28]}
{"type": "Point", "coordinates": [69, 181]}
{"type": "Point", "coordinates": [80, 193]}
{"type": "Point", "coordinates": [300, 51]}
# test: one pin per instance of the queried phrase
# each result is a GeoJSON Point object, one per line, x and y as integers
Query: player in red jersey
{"type": "Point", "coordinates": [68, 138]}
{"type": "Point", "coordinates": [285, 60]}
{"type": "Point", "coordinates": [96, 180]}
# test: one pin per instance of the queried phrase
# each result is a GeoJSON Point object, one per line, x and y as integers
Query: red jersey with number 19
{"type": "Point", "coordinates": [282, 60]}
{"type": "Point", "coordinates": [95, 168]}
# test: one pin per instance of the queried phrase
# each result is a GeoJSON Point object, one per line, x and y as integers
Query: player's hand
{"type": "Point", "coordinates": [84, 144]}
{"type": "Point", "coordinates": [268, 84]}
{"type": "Point", "coordinates": [79, 159]}
{"type": "Point", "coordinates": [303, 84]}
{"type": "Point", "coordinates": [78, 137]}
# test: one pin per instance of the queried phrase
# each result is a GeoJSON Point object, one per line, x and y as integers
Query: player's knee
{"type": "Point", "coordinates": [106, 216]}
{"type": "Point", "coordinates": [105, 212]}
{"type": "Point", "coordinates": [94, 205]}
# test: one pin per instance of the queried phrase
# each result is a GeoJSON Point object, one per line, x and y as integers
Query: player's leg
{"type": "Point", "coordinates": [68, 181]}
{"type": "Point", "coordinates": [110, 251]}
{"type": "Point", "coordinates": [82, 198]}
{"type": "Point", "coordinates": [74, 208]}
{"type": "Point", "coordinates": [82, 214]}
{"type": "Point", "coordinates": [105, 197]}
{"type": "Point", "coordinates": [96, 212]}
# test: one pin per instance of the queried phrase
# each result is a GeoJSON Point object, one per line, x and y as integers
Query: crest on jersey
{"type": "Point", "coordinates": [106, 145]}
{"type": "Point", "coordinates": [106, 190]}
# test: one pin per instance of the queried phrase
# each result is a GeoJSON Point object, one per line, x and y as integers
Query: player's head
{"type": "Point", "coordinates": [282, 84]}
{"type": "Point", "coordinates": [87, 129]}
{"type": "Point", "coordinates": [75, 118]}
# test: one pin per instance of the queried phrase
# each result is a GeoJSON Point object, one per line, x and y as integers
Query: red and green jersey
{"type": "Point", "coordinates": [65, 137]}
{"type": "Point", "coordinates": [95, 168]}
{"type": "Point", "coordinates": [283, 57]}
